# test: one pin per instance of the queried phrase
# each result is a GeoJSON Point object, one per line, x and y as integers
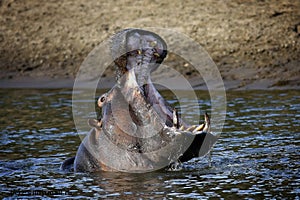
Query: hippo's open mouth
{"type": "Point", "coordinates": [138, 131]}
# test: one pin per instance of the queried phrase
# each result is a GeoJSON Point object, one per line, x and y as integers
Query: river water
{"type": "Point", "coordinates": [256, 157]}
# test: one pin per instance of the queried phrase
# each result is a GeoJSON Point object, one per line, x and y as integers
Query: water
{"type": "Point", "coordinates": [257, 156]}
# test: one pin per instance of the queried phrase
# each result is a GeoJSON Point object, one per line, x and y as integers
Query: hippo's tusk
{"type": "Point", "coordinates": [156, 54]}
{"type": "Point", "coordinates": [191, 128]}
{"type": "Point", "coordinates": [175, 119]}
{"type": "Point", "coordinates": [199, 128]}
{"type": "Point", "coordinates": [207, 123]}
{"type": "Point", "coordinates": [95, 123]}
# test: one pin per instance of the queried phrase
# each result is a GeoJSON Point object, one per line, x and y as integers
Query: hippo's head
{"type": "Point", "coordinates": [139, 131]}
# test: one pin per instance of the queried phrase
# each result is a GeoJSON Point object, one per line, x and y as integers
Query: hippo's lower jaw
{"type": "Point", "coordinates": [139, 131]}
{"type": "Point", "coordinates": [100, 151]}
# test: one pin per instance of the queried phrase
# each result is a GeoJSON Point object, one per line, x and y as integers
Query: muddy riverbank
{"type": "Point", "coordinates": [255, 44]}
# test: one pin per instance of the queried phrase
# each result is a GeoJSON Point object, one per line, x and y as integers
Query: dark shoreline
{"type": "Point", "coordinates": [107, 83]}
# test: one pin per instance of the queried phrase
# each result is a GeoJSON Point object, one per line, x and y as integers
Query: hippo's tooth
{"type": "Point", "coordinates": [95, 123]}
{"type": "Point", "coordinates": [206, 123]}
{"type": "Point", "coordinates": [139, 52]}
{"type": "Point", "coordinates": [191, 128]}
{"type": "Point", "coordinates": [182, 128]}
{"type": "Point", "coordinates": [198, 128]}
{"type": "Point", "coordinates": [99, 123]}
{"type": "Point", "coordinates": [153, 43]}
{"type": "Point", "coordinates": [156, 54]}
{"type": "Point", "coordinates": [175, 119]}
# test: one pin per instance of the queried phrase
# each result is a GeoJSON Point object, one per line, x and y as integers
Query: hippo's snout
{"type": "Point", "coordinates": [141, 51]}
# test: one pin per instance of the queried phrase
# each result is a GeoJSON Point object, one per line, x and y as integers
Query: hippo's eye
{"type": "Point", "coordinates": [101, 100]}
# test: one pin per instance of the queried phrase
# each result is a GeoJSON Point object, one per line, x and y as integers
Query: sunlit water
{"type": "Point", "coordinates": [256, 157]}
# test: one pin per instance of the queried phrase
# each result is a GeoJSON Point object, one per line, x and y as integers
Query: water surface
{"type": "Point", "coordinates": [256, 157]}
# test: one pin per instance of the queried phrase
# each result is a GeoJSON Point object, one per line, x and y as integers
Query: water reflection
{"type": "Point", "coordinates": [256, 157]}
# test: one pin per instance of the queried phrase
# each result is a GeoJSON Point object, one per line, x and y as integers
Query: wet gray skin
{"type": "Point", "coordinates": [139, 131]}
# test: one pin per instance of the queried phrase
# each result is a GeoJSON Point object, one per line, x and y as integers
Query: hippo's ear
{"type": "Point", "coordinates": [95, 123]}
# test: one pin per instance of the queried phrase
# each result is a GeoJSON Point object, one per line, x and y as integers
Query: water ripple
{"type": "Point", "coordinates": [256, 157]}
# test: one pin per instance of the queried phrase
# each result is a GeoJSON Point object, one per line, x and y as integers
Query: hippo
{"type": "Point", "coordinates": [138, 131]}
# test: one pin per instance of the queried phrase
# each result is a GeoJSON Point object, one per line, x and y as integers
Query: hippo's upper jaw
{"type": "Point", "coordinates": [139, 50]}
{"type": "Point", "coordinates": [139, 131]}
